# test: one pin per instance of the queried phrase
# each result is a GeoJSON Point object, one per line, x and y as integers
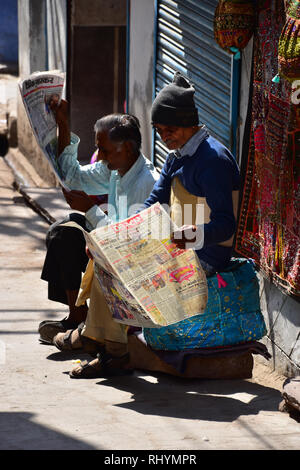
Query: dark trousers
{"type": "Point", "coordinates": [65, 259]}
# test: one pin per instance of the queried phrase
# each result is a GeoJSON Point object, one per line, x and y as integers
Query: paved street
{"type": "Point", "coordinates": [42, 408]}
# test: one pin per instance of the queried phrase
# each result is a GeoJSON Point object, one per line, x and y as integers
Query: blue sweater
{"type": "Point", "coordinates": [211, 172]}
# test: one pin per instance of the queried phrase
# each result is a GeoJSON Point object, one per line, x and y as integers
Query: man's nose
{"type": "Point", "coordinates": [164, 134]}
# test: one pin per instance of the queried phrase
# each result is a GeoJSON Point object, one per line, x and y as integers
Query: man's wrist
{"type": "Point", "coordinates": [64, 137]}
{"type": "Point", "coordinates": [63, 126]}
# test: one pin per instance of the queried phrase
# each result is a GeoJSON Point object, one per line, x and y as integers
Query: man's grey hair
{"type": "Point", "coordinates": [121, 128]}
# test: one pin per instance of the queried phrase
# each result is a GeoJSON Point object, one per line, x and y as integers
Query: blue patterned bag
{"type": "Point", "coordinates": [232, 314]}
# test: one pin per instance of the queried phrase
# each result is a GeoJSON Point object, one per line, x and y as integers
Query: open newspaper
{"type": "Point", "coordinates": [36, 91]}
{"type": "Point", "coordinates": [146, 280]}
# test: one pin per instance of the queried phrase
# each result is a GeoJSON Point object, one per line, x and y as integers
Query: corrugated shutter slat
{"type": "Point", "coordinates": [185, 42]}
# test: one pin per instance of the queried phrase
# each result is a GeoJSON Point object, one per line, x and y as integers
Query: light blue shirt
{"type": "Point", "coordinates": [126, 193]}
{"type": "Point", "coordinates": [190, 147]}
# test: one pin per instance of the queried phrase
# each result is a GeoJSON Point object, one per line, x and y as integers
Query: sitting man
{"type": "Point", "coordinates": [122, 172]}
{"type": "Point", "coordinates": [199, 170]}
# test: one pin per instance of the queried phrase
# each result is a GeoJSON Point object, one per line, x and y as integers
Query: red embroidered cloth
{"type": "Point", "coordinates": [269, 222]}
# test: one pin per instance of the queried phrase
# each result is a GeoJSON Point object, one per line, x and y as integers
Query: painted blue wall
{"type": "Point", "coordinates": [8, 31]}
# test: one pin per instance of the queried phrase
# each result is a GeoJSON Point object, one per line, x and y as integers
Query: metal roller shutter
{"type": "Point", "coordinates": [185, 42]}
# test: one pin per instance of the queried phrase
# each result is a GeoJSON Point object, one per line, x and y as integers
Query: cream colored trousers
{"type": "Point", "coordinates": [99, 324]}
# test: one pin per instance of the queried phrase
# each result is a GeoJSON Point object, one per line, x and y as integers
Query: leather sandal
{"type": "Point", "coordinates": [105, 365]}
{"type": "Point", "coordinates": [49, 328]}
{"type": "Point", "coordinates": [64, 342]}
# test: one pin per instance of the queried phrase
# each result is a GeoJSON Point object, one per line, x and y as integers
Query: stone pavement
{"type": "Point", "coordinates": [42, 408]}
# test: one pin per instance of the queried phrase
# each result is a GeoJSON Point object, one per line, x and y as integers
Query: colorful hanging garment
{"type": "Point", "coordinates": [234, 23]}
{"type": "Point", "coordinates": [289, 44]}
{"type": "Point", "coordinates": [269, 222]}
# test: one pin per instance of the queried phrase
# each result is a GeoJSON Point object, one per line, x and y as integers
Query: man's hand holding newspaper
{"type": "Point", "coordinates": [145, 278]}
{"type": "Point", "coordinates": [61, 111]}
{"type": "Point", "coordinates": [78, 200]}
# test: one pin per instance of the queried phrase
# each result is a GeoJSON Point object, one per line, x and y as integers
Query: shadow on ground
{"type": "Point", "coordinates": [33, 436]}
{"type": "Point", "coordinates": [196, 399]}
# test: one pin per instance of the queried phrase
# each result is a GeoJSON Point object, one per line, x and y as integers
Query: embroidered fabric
{"type": "Point", "coordinates": [269, 222]}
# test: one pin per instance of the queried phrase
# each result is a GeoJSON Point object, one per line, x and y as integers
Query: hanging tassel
{"type": "Point", "coordinates": [237, 54]}
{"type": "Point", "coordinates": [276, 79]}
{"type": "Point", "coordinates": [221, 281]}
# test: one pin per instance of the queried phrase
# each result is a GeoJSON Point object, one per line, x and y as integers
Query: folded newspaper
{"type": "Point", "coordinates": [146, 280]}
{"type": "Point", "coordinates": [36, 91]}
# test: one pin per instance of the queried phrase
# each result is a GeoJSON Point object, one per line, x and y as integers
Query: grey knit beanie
{"type": "Point", "coordinates": [174, 105]}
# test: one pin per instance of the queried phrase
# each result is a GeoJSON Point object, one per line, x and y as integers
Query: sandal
{"type": "Point", "coordinates": [49, 328]}
{"type": "Point", "coordinates": [64, 342]}
{"type": "Point", "coordinates": [105, 365]}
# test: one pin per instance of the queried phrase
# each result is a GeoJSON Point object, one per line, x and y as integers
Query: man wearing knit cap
{"type": "Point", "coordinates": [199, 173]}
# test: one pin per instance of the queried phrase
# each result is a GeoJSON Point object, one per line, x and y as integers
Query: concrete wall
{"type": "Point", "coordinates": [42, 46]}
{"type": "Point", "coordinates": [32, 58]}
{"type": "Point", "coordinates": [141, 67]}
{"type": "Point", "coordinates": [282, 317]}
{"type": "Point", "coordinates": [56, 34]}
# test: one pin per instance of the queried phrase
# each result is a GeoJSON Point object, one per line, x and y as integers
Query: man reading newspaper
{"type": "Point", "coordinates": [199, 170]}
{"type": "Point", "coordinates": [125, 175]}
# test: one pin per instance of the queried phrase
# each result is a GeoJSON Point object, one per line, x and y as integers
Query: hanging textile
{"type": "Point", "coordinates": [234, 23]}
{"type": "Point", "coordinates": [269, 222]}
{"type": "Point", "coordinates": [289, 44]}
